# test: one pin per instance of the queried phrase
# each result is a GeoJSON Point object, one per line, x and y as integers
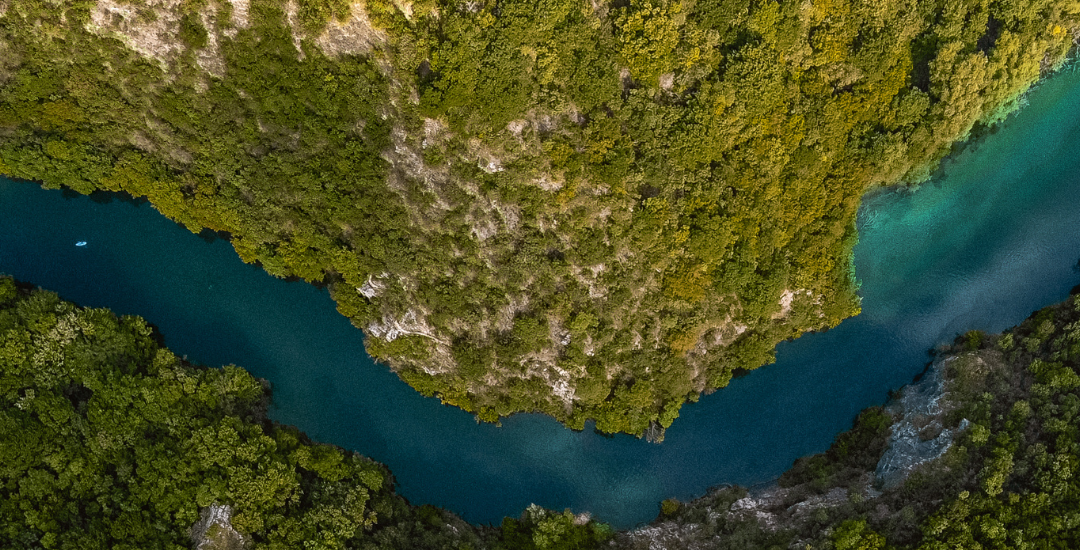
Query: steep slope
{"type": "Point", "coordinates": [593, 210]}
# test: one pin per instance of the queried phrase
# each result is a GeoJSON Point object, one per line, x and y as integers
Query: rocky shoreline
{"type": "Point", "coordinates": [921, 428]}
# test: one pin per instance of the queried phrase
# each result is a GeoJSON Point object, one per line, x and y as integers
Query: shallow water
{"type": "Point", "coordinates": [995, 236]}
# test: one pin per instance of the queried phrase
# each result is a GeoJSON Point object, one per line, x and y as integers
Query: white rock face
{"type": "Point", "coordinates": [751, 507]}
{"type": "Point", "coordinates": [157, 37]}
{"type": "Point", "coordinates": [214, 530]}
{"type": "Point", "coordinates": [240, 13]}
{"type": "Point", "coordinates": [410, 324]}
{"type": "Point", "coordinates": [372, 287]}
{"type": "Point", "coordinates": [353, 36]}
{"type": "Point", "coordinates": [787, 299]}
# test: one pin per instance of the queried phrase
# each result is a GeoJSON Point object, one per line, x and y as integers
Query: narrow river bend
{"type": "Point", "coordinates": [993, 237]}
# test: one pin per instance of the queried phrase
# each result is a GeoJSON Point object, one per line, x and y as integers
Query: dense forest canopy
{"type": "Point", "coordinates": [108, 440]}
{"type": "Point", "coordinates": [597, 210]}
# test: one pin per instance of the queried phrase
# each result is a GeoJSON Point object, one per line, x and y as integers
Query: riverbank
{"type": "Point", "coordinates": [982, 449]}
{"type": "Point", "coordinates": [108, 438]}
{"type": "Point", "coordinates": [981, 452]}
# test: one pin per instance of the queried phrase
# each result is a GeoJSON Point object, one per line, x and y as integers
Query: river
{"type": "Point", "coordinates": [994, 236]}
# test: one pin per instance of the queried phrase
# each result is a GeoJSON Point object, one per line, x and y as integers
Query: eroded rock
{"type": "Point", "coordinates": [214, 530]}
{"type": "Point", "coordinates": [919, 434]}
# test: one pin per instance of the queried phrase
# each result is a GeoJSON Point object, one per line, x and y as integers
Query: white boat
{"type": "Point", "coordinates": [80, 243]}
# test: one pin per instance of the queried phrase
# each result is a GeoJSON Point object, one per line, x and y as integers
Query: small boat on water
{"type": "Point", "coordinates": [80, 243]}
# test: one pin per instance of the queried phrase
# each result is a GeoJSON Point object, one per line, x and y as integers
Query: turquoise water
{"type": "Point", "coordinates": [993, 237]}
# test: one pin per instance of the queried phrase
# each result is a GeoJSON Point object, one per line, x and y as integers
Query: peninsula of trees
{"type": "Point", "coordinates": [593, 209]}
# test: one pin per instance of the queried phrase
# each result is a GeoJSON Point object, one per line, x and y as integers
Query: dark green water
{"type": "Point", "coordinates": [995, 236]}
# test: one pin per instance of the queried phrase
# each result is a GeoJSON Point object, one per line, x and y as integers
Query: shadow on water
{"type": "Point", "coordinates": [209, 235]}
{"type": "Point", "coordinates": [103, 197]}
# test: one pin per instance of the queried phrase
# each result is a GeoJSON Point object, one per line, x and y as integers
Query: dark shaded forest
{"type": "Point", "coordinates": [108, 440]}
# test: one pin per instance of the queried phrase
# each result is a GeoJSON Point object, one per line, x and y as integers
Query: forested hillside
{"type": "Point", "coordinates": [591, 209]}
{"type": "Point", "coordinates": [108, 440]}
